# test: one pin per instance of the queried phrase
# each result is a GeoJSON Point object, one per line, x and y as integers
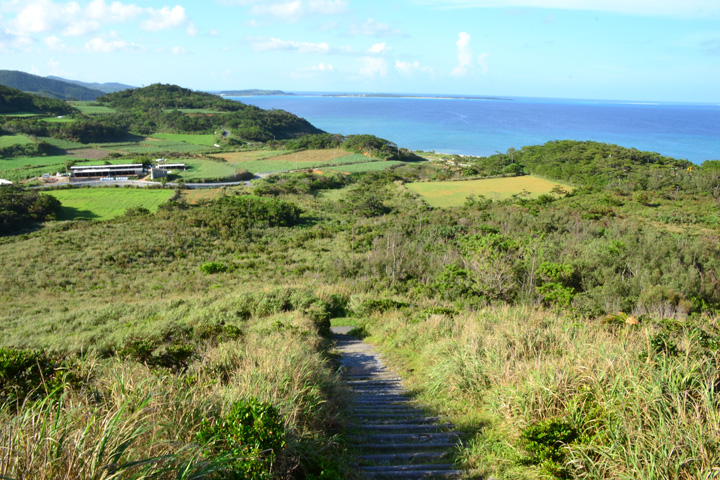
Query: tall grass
{"type": "Point", "coordinates": [128, 420]}
{"type": "Point", "coordinates": [641, 412]}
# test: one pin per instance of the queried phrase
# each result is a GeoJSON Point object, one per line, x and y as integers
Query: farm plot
{"type": "Point", "coordinates": [198, 169]}
{"type": "Point", "coordinates": [452, 194]}
{"type": "Point", "coordinates": [203, 140]}
{"type": "Point", "coordinates": [203, 194]}
{"type": "Point", "coordinates": [365, 166]}
{"type": "Point", "coordinates": [92, 108]}
{"type": "Point", "coordinates": [106, 203]}
{"type": "Point", "coordinates": [12, 140]}
{"type": "Point", "coordinates": [152, 146]}
{"type": "Point", "coordinates": [281, 161]}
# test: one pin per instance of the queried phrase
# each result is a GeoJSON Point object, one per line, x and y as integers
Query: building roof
{"type": "Point", "coordinates": [5, 182]}
{"type": "Point", "coordinates": [102, 167]}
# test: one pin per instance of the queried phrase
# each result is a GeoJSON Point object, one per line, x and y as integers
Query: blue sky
{"type": "Point", "coordinates": [644, 50]}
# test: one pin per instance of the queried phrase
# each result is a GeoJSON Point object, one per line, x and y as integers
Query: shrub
{"type": "Point", "coordinates": [544, 441]}
{"type": "Point", "coordinates": [22, 371]}
{"type": "Point", "coordinates": [210, 268]}
{"type": "Point", "coordinates": [252, 433]}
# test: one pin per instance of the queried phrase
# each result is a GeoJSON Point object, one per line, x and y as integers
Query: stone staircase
{"type": "Point", "coordinates": [390, 434]}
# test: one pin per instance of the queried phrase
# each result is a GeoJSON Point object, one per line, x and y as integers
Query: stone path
{"type": "Point", "coordinates": [392, 436]}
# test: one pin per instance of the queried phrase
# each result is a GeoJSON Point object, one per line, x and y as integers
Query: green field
{"type": "Point", "coordinates": [453, 194]}
{"type": "Point", "coordinates": [12, 140]}
{"type": "Point", "coordinates": [203, 140]}
{"type": "Point", "coordinates": [90, 108]}
{"type": "Point", "coordinates": [58, 119]}
{"type": "Point", "coordinates": [365, 166]}
{"type": "Point", "coordinates": [106, 203]}
{"type": "Point", "coordinates": [64, 144]}
{"type": "Point", "coordinates": [19, 168]}
{"type": "Point", "coordinates": [205, 169]}
{"type": "Point", "coordinates": [275, 161]}
{"type": "Point", "coordinates": [152, 146]}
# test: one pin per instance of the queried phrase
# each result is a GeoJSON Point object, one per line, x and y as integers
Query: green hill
{"type": "Point", "coordinates": [15, 101]}
{"type": "Point", "coordinates": [167, 97]}
{"type": "Point", "coordinates": [46, 86]}
{"type": "Point", "coordinates": [108, 87]}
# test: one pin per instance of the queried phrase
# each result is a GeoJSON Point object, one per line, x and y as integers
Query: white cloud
{"type": "Point", "coordinates": [373, 66]}
{"type": "Point", "coordinates": [379, 48]}
{"type": "Point", "coordinates": [191, 29]}
{"type": "Point", "coordinates": [44, 15]}
{"type": "Point", "coordinates": [294, 10]}
{"type": "Point", "coordinates": [371, 28]}
{"type": "Point", "coordinates": [268, 44]}
{"type": "Point", "coordinates": [286, 11]}
{"type": "Point", "coordinates": [321, 67]}
{"type": "Point", "coordinates": [54, 43]}
{"type": "Point", "coordinates": [178, 51]}
{"type": "Point", "coordinates": [408, 68]}
{"type": "Point", "coordinates": [101, 45]}
{"type": "Point", "coordinates": [81, 27]}
{"type": "Point", "coordinates": [328, 7]}
{"type": "Point", "coordinates": [684, 8]}
{"type": "Point", "coordinates": [115, 12]}
{"type": "Point", "coordinates": [165, 18]}
{"type": "Point", "coordinates": [464, 54]}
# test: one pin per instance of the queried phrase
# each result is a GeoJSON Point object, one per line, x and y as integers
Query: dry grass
{"type": "Point", "coordinates": [453, 194]}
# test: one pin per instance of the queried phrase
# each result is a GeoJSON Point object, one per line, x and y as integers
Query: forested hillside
{"type": "Point", "coordinates": [46, 87]}
{"type": "Point", "coordinates": [15, 101]}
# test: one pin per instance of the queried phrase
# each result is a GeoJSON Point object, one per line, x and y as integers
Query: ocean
{"type": "Point", "coordinates": [483, 126]}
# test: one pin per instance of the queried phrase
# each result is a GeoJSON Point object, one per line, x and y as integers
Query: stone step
{"type": "Point", "coordinates": [392, 418]}
{"type": "Point", "coordinates": [405, 447]}
{"type": "Point", "coordinates": [390, 438]}
{"type": "Point", "coordinates": [409, 468]}
{"type": "Point", "coordinates": [414, 474]}
{"type": "Point", "coordinates": [403, 426]}
{"type": "Point", "coordinates": [402, 457]}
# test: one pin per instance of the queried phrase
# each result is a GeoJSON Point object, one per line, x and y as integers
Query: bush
{"type": "Point", "coordinates": [544, 443]}
{"type": "Point", "coordinates": [210, 268]}
{"type": "Point", "coordinates": [22, 371]}
{"type": "Point", "coordinates": [252, 433]}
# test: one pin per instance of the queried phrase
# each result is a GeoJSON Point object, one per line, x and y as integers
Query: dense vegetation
{"type": "Point", "coordinates": [15, 101]}
{"type": "Point", "coordinates": [107, 87]}
{"type": "Point", "coordinates": [20, 209]}
{"type": "Point", "coordinates": [46, 87]}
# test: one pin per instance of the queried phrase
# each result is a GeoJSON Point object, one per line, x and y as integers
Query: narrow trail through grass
{"type": "Point", "coordinates": [391, 435]}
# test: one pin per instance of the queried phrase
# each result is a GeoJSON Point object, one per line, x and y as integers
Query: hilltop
{"type": "Point", "coordinates": [47, 87]}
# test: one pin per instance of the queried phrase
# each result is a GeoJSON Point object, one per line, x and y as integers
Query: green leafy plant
{"type": "Point", "coordinates": [210, 268]}
{"type": "Point", "coordinates": [252, 433]}
{"type": "Point", "coordinates": [544, 441]}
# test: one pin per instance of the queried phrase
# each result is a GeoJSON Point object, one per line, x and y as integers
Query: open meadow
{"type": "Point", "coordinates": [12, 140]}
{"type": "Point", "coordinates": [107, 202]}
{"type": "Point", "coordinates": [453, 194]}
{"type": "Point", "coordinates": [268, 161]}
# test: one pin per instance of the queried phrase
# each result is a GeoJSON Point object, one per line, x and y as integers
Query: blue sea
{"type": "Point", "coordinates": [483, 126]}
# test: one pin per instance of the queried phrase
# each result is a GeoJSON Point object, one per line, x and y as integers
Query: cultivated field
{"type": "Point", "coordinates": [12, 140]}
{"type": "Point", "coordinates": [90, 108]}
{"type": "Point", "coordinates": [203, 140]}
{"type": "Point", "coordinates": [106, 203]}
{"type": "Point", "coordinates": [203, 194]}
{"type": "Point", "coordinates": [198, 169]}
{"type": "Point", "coordinates": [20, 168]}
{"type": "Point", "coordinates": [452, 194]}
{"type": "Point", "coordinates": [365, 166]}
{"type": "Point", "coordinates": [269, 161]}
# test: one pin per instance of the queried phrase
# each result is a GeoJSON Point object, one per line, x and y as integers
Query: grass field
{"type": "Point", "coordinates": [201, 194]}
{"type": "Point", "coordinates": [151, 146]}
{"type": "Point", "coordinates": [453, 194]}
{"type": "Point", "coordinates": [106, 203]}
{"type": "Point", "coordinates": [89, 108]}
{"type": "Point", "coordinates": [58, 119]}
{"type": "Point", "coordinates": [205, 169]}
{"type": "Point", "coordinates": [60, 143]}
{"type": "Point", "coordinates": [365, 166]}
{"type": "Point", "coordinates": [19, 168]}
{"type": "Point", "coordinates": [203, 140]}
{"type": "Point", "coordinates": [11, 140]}
{"type": "Point", "coordinates": [273, 161]}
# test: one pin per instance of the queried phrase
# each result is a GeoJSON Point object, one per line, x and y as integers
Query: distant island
{"type": "Point", "coordinates": [250, 93]}
{"type": "Point", "coordinates": [397, 95]}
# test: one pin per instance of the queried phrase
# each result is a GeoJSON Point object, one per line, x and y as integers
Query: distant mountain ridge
{"type": "Point", "coordinates": [108, 87]}
{"type": "Point", "coordinates": [47, 87]}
